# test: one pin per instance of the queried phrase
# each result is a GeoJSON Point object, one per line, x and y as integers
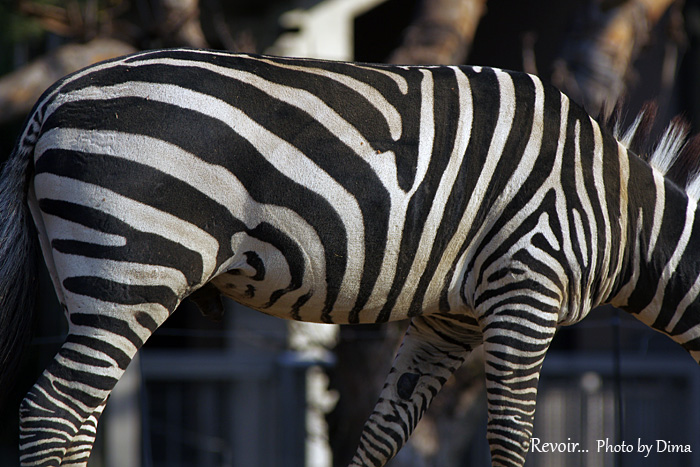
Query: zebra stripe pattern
{"type": "Point", "coordinates": [480, 203]}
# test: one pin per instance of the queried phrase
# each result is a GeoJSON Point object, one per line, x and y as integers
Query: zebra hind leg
{"type": "Point", "coordinates": [432, 349]}
{"type": "Point", "coordinates": [78, 452]}
{"type": "Point", "coordinates": [58, 417]}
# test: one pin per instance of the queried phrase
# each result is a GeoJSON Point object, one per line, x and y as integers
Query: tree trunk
{"type": "Point", "coordinates": [441, 34]}
{"type": "Point", "coordinates": [594, 68]}
{"type": "Point", "coordinates": [20, 89]}
{"type": "Point", "coordinates": [180, 23]}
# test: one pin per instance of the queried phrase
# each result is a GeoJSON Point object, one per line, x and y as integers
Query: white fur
{"type": "Point", "coordinates": [693, 186]}
{"type": "Point", "coordinates": [626, 139]}
{"type": "Point", "coordinates": [667, 151]}
{"type": "Point", "coordinates": [669, 148]}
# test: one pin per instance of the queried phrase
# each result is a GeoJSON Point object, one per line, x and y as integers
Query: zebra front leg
{"type": "Point", "coordinates": [432, 349]}
{"type": "Point", "coordinates": [514, 348]}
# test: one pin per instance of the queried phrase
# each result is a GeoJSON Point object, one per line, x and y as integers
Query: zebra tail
{"type": "Point", "coordinates": [18, 267]}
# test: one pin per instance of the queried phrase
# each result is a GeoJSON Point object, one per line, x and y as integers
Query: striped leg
{"type": "Point", "coordinates": [514, 348]}
{"type": "Point", "coordinates": [118, 286]}
{"type": "Point", "coordinates": [59, 415]}
{"type": "Point", "coordinates": [56, 413]}
{"type": "Point", "coordinates": [79, 451]}
{"type": "Point", "coordinates": [433, 348]}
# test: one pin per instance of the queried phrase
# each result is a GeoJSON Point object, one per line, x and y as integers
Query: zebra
{"type": "Point", "coordinates": [479, 203]}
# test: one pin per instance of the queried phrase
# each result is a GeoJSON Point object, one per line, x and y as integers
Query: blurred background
{"type": "Point", "coordinates": [256, 391]}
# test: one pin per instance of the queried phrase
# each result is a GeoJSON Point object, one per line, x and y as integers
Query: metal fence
{"type": "Point", "coordinates": [577, 405]}
{"type": "Point", "coordinates": [242, 404]}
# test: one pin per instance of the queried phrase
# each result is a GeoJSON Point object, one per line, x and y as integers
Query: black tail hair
{"type": "Point", "coordinates": [18, 267]}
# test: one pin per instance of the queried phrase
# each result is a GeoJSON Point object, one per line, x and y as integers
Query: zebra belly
{"type": "Point", "coordinates": [281, 267]}
{"type": "Point", "coordinates": [260, 276]}
{"type": "Point", "coordinates": [288, 279]}
{"type": "Point", "coordinates": [273, 296]}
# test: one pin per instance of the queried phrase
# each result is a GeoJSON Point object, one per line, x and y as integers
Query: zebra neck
{"type": "Point", "coordinates": [661, 275]}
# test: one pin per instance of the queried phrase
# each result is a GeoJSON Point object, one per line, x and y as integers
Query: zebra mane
{"type": "Point", "coordinates": [675, 155]}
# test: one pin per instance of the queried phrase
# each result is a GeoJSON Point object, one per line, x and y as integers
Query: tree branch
{"type": "Point", "coordinates": [597, 58]}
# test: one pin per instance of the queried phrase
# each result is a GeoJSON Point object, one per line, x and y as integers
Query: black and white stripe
{"type": "Point", "coordinates": [478, 202]}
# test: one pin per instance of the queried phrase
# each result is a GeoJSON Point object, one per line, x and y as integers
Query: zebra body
{"type": "Point", "coordinates": [480, 203]}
